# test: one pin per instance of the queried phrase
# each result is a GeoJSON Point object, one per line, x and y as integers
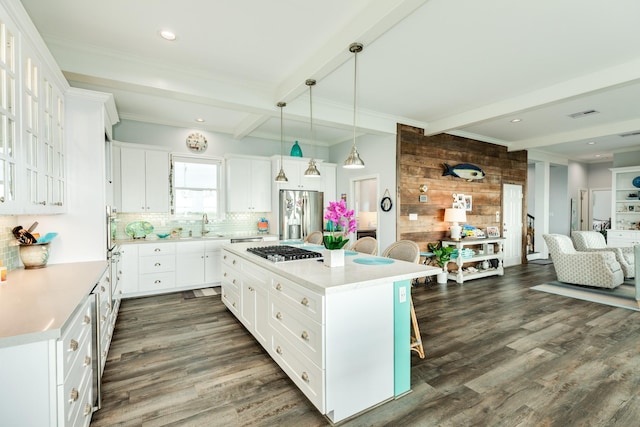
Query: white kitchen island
{"type": "Point", "coordinates": [342, 334]}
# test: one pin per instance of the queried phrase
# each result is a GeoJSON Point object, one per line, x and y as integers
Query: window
{"type": "Point", "coordinates": [195, 185]}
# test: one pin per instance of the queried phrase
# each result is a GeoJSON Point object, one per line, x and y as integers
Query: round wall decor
{"type": "Point", "coordinates": [196, 142]}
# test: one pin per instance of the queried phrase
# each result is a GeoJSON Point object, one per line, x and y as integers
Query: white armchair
{"type": "Point", "coordinates": [599, 269]}
{"type": "Point", "coordinates": [593, 241]}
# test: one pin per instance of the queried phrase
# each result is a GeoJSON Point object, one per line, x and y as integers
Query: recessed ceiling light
{"type": "Point", "coordinates": [516, 120]}
{"type": "Point", "coordinates": [591, 143]}
{"type": "Point", "coordinates": [200, 120]}
{"type": "Point", "coordinates": [597, 155]}
{"type": "Point", "coordinates": [168, 35]}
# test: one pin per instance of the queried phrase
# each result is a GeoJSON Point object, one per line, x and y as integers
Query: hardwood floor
{"type": "Point", "coordinates": [497, 354]}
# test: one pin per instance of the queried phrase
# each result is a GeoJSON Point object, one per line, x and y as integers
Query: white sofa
{"type": "Point", "coordinates": [593, 241]}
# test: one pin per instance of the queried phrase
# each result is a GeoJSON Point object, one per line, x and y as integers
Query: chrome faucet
{"type": "Point", "coordinates": [205, 221]}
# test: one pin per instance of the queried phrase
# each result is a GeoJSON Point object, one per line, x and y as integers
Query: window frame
{"type": "Point", "coordinates": [209, 160]}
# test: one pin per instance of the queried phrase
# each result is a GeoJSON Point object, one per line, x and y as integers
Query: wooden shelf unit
{"type": "Point", "coordinates": [497, 243]}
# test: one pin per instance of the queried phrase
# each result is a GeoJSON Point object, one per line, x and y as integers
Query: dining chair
{"type": "Point", "coordinates": [315, 238]}
{"type": "Point", "coordinates": [366, 245]}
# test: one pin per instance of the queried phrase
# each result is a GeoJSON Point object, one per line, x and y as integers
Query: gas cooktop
{"type": "Point", "coordinates": [278, 253]}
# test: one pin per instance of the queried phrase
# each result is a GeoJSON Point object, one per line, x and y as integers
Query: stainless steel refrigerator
{"type": "Point", "coordinates": [301, 213]}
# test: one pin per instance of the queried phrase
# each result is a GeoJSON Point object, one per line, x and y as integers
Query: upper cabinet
{"type": "Point", "coordinates": [32, 136]}
{"type": "Point", "coordinates": [144, 180]}
{"type": "Point", "coordinates": [248, 184]}
{"type": "Point", "coordinates": [625, 212]}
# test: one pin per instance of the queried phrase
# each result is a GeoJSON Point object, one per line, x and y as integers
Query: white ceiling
{"type": "Point", "coordinates": [466, 67]}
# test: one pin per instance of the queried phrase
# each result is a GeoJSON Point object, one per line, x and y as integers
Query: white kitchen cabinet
{"type": "Point", "coordinates": [625, 209]}
{"type": "Point", "coordinates": [294, 169]}
{"type": "Point", "coordinates": [157, 267]}
{"type": "Point", "coordinates": [623, 238]}
{"type": "Point", "coordinates": [32, 138]}
{"type": "Point", "coordinates": [190, 263]}
{"type": "Point", "coordinates": [128, 269]}
{"type": "Point", "coordinates": [213, 260]}
{"type": "Point", "coordinates": [144, 180]}
{"type": "Point", "coordinates": [248, 184]}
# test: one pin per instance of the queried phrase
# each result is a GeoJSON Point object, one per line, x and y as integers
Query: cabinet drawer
{"type": "Point", "coordinates": [309, 302]}
{"type": "Point", "coordinates": [231, 298]}
{"type": "Point", "coordinates": [72, 395]}
{"type": "Point", "coordinates": [157, 249]}
{"type": "Point", "coordinates": [157, 264]}
{"type": "Point", "coordinates": [305, 334]}
{"type": "Point", "coordinates": [307, 376]}
{"type": "Point", "coordinates": [75, 343]}
{"type": "Point", "coordinates": [231, 278]}
{"type": "Point", "coordinates": [159, 281]}
{"type": "Point", "coordinates": [230, 259]}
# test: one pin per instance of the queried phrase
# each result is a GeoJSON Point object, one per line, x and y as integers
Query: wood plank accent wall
{"type": "Point", "coordinates": [421, 159]}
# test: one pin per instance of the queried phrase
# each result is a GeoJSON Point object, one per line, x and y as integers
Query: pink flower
{"type": "Point", "coordinates": [341, 218]}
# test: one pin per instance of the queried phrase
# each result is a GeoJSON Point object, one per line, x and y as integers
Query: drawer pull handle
{"type": "Point", "coordinates": [250, 288]}
{"type": "Point", "coordinates": [224, 295]}
{"type": "Point", "coordinates": [107, 279]}
{"type": "Point", "coordinates": [108, 306]}
{"type": "Point", "coordinates": [73, 396]}
{"type": "Point", "coordinates": [234, 304]}
{"type": "Point", "coordinates": [157, 250]}
{"type": "Point", "coordinates": [103, 318]}
{"type": "Point", "coordinates": [86, 320]}
{"type": "Point", "coordinates": [279, 316]}
{"type": "Point", "coordinates": [233, 262]}
{"type": "Point", "coordinates": [279, 287]}
{"type": "Point", "coordinates": [305, 302]}
{"type": "Point", "coordinates": [224, 257]}
{"type": "Point", "coordinates": [103, 289]}
{"type": "Point", "coordinates": [87, 360]}
{"type": "Point", "coordinates": [305, 335]}
{"type": "Point", "coordinates": [157, 281]}
{"type": "Point", "coordinates": [73, 345]}
{"type": "Point", "coordinates": [278, 350]}
{"type": "Point", "coordinates": [87, 409]}
{"type": "Point", "coordinates": [157, 264]}
{"type": "Point", "coordinates": [225, 274]}
{"type": "Point", "coordinates": [234, 281]}
{"type": "Point", "coordinates": [305, 377]}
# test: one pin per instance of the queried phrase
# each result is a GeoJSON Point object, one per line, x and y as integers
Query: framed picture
{"type": "Point", "coordinates": [493, 231]}
{"type": "Point", "coordinates": [468, 200]}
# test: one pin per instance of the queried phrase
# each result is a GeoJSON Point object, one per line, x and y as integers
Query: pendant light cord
{"type": "Point", "coordinates": [355, 88]}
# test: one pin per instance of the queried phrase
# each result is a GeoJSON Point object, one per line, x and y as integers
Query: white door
{"type": "Point", "coordinates": [512, 226]}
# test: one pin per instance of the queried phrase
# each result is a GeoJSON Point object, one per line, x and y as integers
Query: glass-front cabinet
{"type": "Point", "coordinates": [626, 198]}
{"type": "Point", "coordinates": [8, 152]}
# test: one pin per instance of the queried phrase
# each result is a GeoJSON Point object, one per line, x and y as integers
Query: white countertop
{"type": "Point", "coordinates": [36, 304]}
{"type": "Point", "coordinates": [314, 275]}
{"type": "Point", "coordinates": [212, 236]}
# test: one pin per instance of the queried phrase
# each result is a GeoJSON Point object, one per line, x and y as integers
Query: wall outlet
{"type": "Point", "coordinates": [423, 198]}
{"type": "Point", "coordinates": [402, 296]}
{"type": "Point", "coordinates": [497, 216]}
{"type": "Point", "coordinates": [413, 217]}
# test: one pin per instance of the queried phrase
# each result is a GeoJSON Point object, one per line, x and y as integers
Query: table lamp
{"type": "Point", "coordinates": [455, 216]}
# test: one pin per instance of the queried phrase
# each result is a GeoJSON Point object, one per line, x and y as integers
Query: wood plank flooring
{"type": "Point", "coordinates": [497, 354]}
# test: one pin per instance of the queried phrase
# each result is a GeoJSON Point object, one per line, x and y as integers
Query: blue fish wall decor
{"type": "Point", "coordinates": [464, 170]}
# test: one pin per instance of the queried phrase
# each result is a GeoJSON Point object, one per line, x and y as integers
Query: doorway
{"type": "Point", "coordinates": [512, 226]}
{"type": "Point", "coordinates": [365, 205]}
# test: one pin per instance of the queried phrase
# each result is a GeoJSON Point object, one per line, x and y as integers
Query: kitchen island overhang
{"type": "Point", "coordinates": [342, 334]}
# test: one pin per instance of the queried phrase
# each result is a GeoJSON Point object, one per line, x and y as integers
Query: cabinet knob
{"type": "Point", "coordinates": [233, 262]}
{"type": "Point", "coordinates": [305, 335]}
{"type": "Point", "coordinates": [279, 316]}
{"type": "Point", "coordinates": [157, 250]}
{"type": "Point", "coordinates": [234, 281]}
{"type": "Point", "coordinates": [86, 320]}
{"type": "Point", "coordinates": [157, 282]}
{"type": "Point", "coordinates": [87, 409]}
{"type": "Point", "coordinates": [224, 274]}
{"type": "Point", "coordinates": [103, 318]}
{"type": "Point", "coordinates": [278, 350]}
{"type": "Point", "coordinates": [73, 396]}
{"type": "Point", "coordinates": [73, 345]}
{"type": "Point", "coordinates": [305, 377]}
{"type": "Point", "coordinates": [87, 360]}
{"type": "Point", "coordinates": [224, 257]}
{"type": "Point", "coordinates": [250, 288]}
{"type": "Point", "coordinates": [102, 289]}
{"type": "Point", "coordinates": [279, 287]}
{"type": "Point", "coordinates": [157, 264]}
{"type": "Point", "coordinates": [305, 302]}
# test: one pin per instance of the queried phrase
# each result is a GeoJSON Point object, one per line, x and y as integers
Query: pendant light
{"type": "Point", "coordinates": [354, 161]}
{"type": "Point", "coordinates": [312, 171]}
{"type": "Point", "coordinates": [281, 177]}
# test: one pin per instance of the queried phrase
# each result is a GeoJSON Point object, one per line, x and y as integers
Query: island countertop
{"type": "Point", "coordinates": [36, 304]}
{"type": "Point", "coordinates": [313, 274]}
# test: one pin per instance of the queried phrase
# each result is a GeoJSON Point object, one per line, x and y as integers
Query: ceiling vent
{"type": "Point", "coordinates": [583, 114]}
{"type": "Point", "coordinates": [630, 133]}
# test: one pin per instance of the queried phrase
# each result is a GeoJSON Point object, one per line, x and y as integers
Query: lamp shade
{"type": "Point", "coordinates": [455, 215]}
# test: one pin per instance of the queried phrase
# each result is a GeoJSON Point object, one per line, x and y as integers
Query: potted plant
{"type": "Point", "coordinates": [343, 219]}
{"type": "Point", "coordinates": [442, 256]}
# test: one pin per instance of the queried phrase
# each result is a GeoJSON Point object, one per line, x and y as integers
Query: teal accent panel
{"type": "Point", "coordinates": [402, 337]}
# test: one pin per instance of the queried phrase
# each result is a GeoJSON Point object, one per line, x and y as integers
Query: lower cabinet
{"type": "Point", "coordinates": [317, 339]}
{"type": "Point", "coordinates": [165, 266]}
{"type": "Point", "coordinates": [623, 238]}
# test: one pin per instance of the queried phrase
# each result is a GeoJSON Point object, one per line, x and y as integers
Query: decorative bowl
{"type": "Point", "coordinates": [34, 256]}
{"type": "Point", "coordinates": [163, 235]}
